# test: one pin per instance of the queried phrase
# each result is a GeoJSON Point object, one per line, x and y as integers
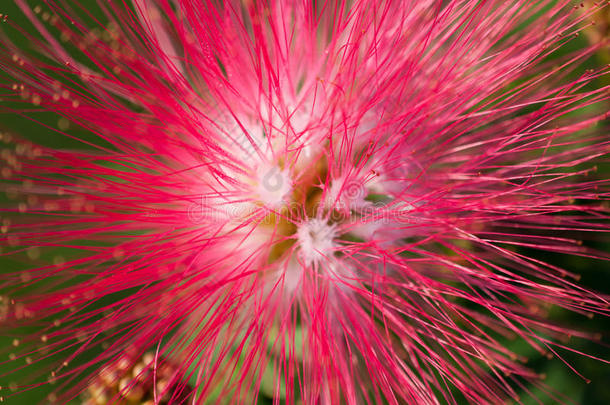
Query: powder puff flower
{"type": "Point", "coordinates": [319, 202]}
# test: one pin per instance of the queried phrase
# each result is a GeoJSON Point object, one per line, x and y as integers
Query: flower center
{"type": "Point", "coordinates": [273, 186]}
{"type": "Point", "coordinates": [316, 240]}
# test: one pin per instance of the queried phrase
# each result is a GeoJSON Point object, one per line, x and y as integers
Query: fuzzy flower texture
{"type": "Point", "coordinates": [314, 202]}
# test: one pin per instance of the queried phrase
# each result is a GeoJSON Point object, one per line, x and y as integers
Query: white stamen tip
{"type": "Point", "coordinates": [273, 186]}
{"type": "Point", "coordinates": [316, 240]}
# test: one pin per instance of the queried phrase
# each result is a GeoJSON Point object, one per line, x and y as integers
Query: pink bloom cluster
{"type": "Point", "coordinates": [320, 201]}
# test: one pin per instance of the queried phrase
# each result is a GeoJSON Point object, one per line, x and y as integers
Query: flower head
{"type": "Point", "coordinates": [327, 202]}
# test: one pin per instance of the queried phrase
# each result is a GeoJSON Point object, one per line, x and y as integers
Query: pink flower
{"type": "Point", "coordinates": [327, 202]}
